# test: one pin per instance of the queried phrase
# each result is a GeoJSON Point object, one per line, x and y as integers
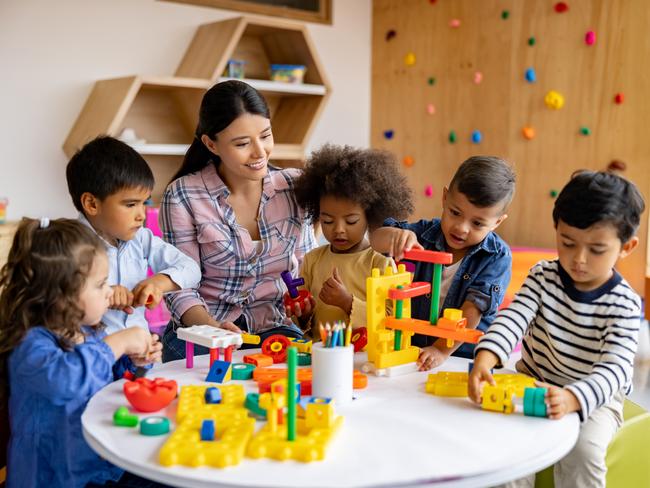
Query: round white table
{"type": "Point", "coordinates": [393, 434]}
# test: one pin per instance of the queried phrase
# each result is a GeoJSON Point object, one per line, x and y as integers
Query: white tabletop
{"type": "Point", "coordinates": [393, 434]}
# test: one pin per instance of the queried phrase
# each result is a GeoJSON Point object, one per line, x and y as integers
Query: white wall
{"type": "Point", "coordinates": [51, 53]}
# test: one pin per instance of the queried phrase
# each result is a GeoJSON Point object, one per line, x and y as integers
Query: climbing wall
{"type": "Point", "coordinates": [455, 78]}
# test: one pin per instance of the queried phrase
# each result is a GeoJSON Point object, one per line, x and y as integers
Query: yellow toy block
{"type": "Point", "coordinates": [192, 400]}
{"type": "Point", "coordinates": [250, 338]}
{"type": "Point", "coordinates": [447, 383]}
{"type": "Point", "coordinates": [303, 345]}
{"type": "Point", "coordinates": [320, 414]}
{"type": "Point", "coordinates": [454, 314]}
{"type": "Point", "coordinates": [497, 399]}
{"type": "Point", "coordinates": [233, 428]}
{"type": "Point", "coordinates": [397, 358]}
{"type": "Point", "coordinates": [516, 383]}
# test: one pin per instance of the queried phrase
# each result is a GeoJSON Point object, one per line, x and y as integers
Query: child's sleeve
{"type": "Point", "coordinates": [40, 365]}
{"type": "Point", "coordinates": [613, 371]}
{"type": "Point", "coordinates": [177, 225]}
{"type": "Point", "coordinates": [511, 323]}
{"type": "Point", "coordinates": [489, 287]}
{"type": "Point", "coordinates": [166, 259]}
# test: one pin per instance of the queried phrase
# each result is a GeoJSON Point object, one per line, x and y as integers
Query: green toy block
{"type": "Point", "coordinates": [123, 418]}
{"type": "Point", "coordinates": [154, 426]}
{"type": "Point", "coordinates": [534, 402]}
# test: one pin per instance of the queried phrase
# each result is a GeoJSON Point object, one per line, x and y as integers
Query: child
{"type": "Point", "coordinates": [473, 206]}
{"type": "Point", "coordinates": [54, 357]}
{"type": "Point", "coordinates": [579, 320]}
{"type": "Point", "coordinates": [109, 183]}
{"type": "Point", "coordinates": [348, 190]}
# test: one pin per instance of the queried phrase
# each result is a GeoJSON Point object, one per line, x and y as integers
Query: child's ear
{"type": "Point", "coordinates": [209, 143]}
{"type": "Point", "coordinates": [628, 247]}
{"type": "Point", "coordinates": [445, 190]}
{"type": "Point", "coordinates": [90, 203]}
{"type": "Point", "coordinates": [499, 220]}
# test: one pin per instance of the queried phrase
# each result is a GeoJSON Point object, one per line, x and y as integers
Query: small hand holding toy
{"type": "Point", "coordinates": [296, 300]}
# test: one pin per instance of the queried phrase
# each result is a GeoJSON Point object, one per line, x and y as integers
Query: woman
{"type": "Point", "coordinates": [235, 216]}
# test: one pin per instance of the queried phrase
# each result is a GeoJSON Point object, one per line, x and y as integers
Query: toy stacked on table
{"type": "Point", "coordinates": [509, 390]}
{"type": "Point", "coordinates": [294, 296]}
{"type": "Point", "coordinates": [389, 338]}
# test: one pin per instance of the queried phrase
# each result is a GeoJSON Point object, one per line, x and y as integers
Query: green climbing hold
{"type": "Point", "coordinates": [452, 136]}
{"type": "Point", "coordinates": [431, 81]}
{"type": "Point", "coordinates": [585, 131]}
{"type": "Point", "coordinates": [553, 193]}
{"type": "Point", "coordinates": [505, 14]}
{"type": "Point", "coordinates": [531, 41]}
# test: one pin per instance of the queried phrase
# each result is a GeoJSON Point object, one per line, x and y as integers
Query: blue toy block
{"type": "Point", "coordinates": [220, 372]}
{"type": "Point", "coordinates": [207, 430]}
{"type": "Point", "coordinates": [534, 402]}
{"type": "Point", "coordinates": [212, 395]}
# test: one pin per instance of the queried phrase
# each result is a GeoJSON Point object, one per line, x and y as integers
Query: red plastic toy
{"type": "Point", "coordinates": [359, 338]}
{"type": "Point", "coordinates": [276, 346]}
{"type": "Point", "coordinates": [147, 395]}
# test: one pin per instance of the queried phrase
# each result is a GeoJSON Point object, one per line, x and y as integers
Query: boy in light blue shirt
{"type": "Point", "coordinates": [109, 183]}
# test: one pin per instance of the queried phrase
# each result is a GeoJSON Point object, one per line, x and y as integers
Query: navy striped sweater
{"type": "Point", "coordinates": [583, 341]}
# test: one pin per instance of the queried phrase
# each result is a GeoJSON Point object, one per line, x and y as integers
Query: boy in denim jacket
{"type": "Point", "coordinates": [473, 206]}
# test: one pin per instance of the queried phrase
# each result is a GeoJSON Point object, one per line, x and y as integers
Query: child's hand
{"type": "Point", "coordinates": [300, 312]}
{"type": "Point", "coordinates": [148, 293]}
{"type": "Point", "coordinates": [133, 341]}
{"type": "Point", "coordinates": [335, 293]}
{"type": "Point", "coordinates": [122, 299]}
{"type": "Point", "coordinates": [154, 355]}
{"type": "Point", "coordinates": [559, 401]}
{"type": "Point", "coordinates": [430, 357]}
{"type": "Point", "coordinates": [483, 363]}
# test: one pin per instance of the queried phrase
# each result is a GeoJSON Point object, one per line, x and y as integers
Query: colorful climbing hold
{"type": "Point", "coordinates": [388, 134]}
{"type": "Point", "coordinates": [428, 191]}
{"type": "Point", "coordinates": [561, 7]}
{"type": "Point", "coordinates": [585, 131]}
{"type": "Point", "coordinates": [617, 165]}
{"type": "Point", "coordinates": [431, 81]}
{"type": "Point", "coordinates": [454, 23]}
{"type": "Point", "coordinates": [590, 38]}
{"type": "Point", "coordinates": [431, 109]}
{"type": "Point", "coordinates": [477, 137]}
{"type": "Point", "coordinates": [390, 34]}
{"type": "Point", "coordinates": [409, 59]}
{"type": "Point", "coordinates": [478, 77]}
{"type": "Point", "coordinates": [530, 75]}
{"type": "Point", "coordinates": [505, 14]}
{"type": "Point", "coordinates": [554, 100]}
{"type": "Point", "coordinates": [408, 161]}
{"type": "Point", "coordinates": [452, 137]}
{"type": "Point", "coordinates": [531, 41]}
{"type": "Point", "coordinates": [553, 193]}
{"type": "Point", "coordinates": [619, 98]}
{"type": "Point", "coordinates": [528, 132]}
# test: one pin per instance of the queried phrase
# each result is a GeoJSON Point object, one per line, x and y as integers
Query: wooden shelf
{"type": "Point", "coordinates": [163, 110]}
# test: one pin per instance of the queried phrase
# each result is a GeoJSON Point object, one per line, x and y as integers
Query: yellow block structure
{"type": "Point", "coordinates": [454, 384]}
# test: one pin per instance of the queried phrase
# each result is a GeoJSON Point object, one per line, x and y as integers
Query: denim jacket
{"type": "Point", "coordinates": [482, 277]}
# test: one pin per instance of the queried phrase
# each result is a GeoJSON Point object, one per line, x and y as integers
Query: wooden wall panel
{"type": "Point", "coordinates": [503, 103]}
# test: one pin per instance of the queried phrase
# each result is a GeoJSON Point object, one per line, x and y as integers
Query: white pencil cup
{"type": "Point", "coordinates": [332, 369]}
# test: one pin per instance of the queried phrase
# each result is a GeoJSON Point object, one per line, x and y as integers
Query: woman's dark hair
{"type": "Point", "coordinates": [593, 197]}
{"type": "Point", "coordinates": [41, 282]}
{"type": "Point", "coordinates": [369, 177]}
{"type": "Point", "coordinates": [221, 104]}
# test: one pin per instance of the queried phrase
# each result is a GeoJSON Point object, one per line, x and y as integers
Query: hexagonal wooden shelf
{"type": "Point", "coordinates": [163, 111]}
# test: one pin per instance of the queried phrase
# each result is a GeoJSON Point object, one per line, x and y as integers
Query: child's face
{"type": "Point", "coordinates": [96, 293]}
{"type": "Point", "coordinates": [589, 255]}
{"type": "Point", "coordinates": [120, 215]}
{"type": "Point", "coordinates": [344, 223]}
{"type": "Point", "coordinates": [463, 223]}
{"type": "Point", "coordinates": [243, 147]}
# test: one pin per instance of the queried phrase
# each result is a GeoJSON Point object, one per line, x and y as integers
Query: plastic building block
{"type": "Point", "coordinates": [250, 338]}
{"type": "Point", "coordinates": [252, 404]}
{"type": "Point", "coordinates": [154, 426]}
{"type": "Point", "coordinates": [266, 376]}
{"type": "Point", "coordinates": [447, 329]}
{"type": "Point", "coordinates": [276, 346]}
{"type": "Point", "coordinates": [123, 418]}
{"type": "Point", "coordinates": [294, 296]}
{"type": "Point", "coordinates": [304, 359]}
{"type": "Point", "coordinates": [147, 395]}
{"type": "Point", "coordinates": [425, 256]}
{"type": "Point", "coordinates": [534, 402]}
{"type": "Point", "coordinates": [411, 290]}
{"type": "Point", "coordinates": [449, 384]}
{"type": "Point", "coordinates": [207, 430]}
{"type": "Point", "coordinates": [359, 339]}
{"type": "Point", "coordinates": [210, 337]}
{"type": "Point", "coordinates": [259, 360]}
{"type": "Point", "coordinates": [212, 395]}
{"type": "Point", "coordinates": [242, 371]}
{"type": "Point", "coordinates": [497, 399]}
{"type": "Point", "coordinates": [192, 401]}
{"type": "Point", "coordinates": [303, 345]}
{"type": "Point", "coordinates": [220, 372]}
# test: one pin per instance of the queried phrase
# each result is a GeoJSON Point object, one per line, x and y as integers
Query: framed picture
{"type": "Point", "coordinates": [305, 10]}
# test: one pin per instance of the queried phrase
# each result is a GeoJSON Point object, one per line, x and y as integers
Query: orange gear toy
{"type": "Point", "coordinates": [276, 346]}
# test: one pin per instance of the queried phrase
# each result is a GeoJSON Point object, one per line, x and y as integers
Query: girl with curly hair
{"type": "Point", "coordinates": [349, 191]}
{"type": "Point", "coordinates": [54, 357]}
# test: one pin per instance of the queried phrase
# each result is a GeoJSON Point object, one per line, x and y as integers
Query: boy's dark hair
{"type": "Point", "coordinates": [368, 177]}
{"type": "Point", "coordinates": [105, 166]}
{"type": "Point", "coordinates": [592, 197]}
{"type": "Point", "coordinates": [485, 181]}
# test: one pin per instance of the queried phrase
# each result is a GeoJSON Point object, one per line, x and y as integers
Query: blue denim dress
{"type": "Point", "coordinates": [482, 278]}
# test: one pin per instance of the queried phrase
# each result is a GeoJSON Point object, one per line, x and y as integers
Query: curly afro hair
{"type": "Point", "coordinates": [368, 177]}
